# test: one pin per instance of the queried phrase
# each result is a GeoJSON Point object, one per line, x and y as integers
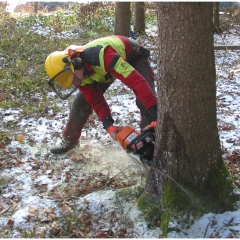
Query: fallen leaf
{"type": "Point", "coordinates": [101, 234]}
{"type": "Point", "coordinates": [123, 230]}
{"type": "Point", "coordinates": [33, 211]}
{"type": "Point", "coordinates": [17, 162]}
{"type": "Point", "coordinates": [81, 216]}
{"type": "Point", "coordinates": [40, 232]}
{"type": "Point", "coordinates": [2, 146]}
{"type": "Point", "coordinates": [20, 137]}
{"type": "Point", "coordinates": [48, 116]}
{"type": "Point", "coordinates": [10, 222]}
{"type": "Point", "coordinates": [14, 205]}
{"type": "Point", "coordinates": [87, 223]}
{"type": "Point", "coordinates": [65, 209]}
{"type": "Point", "coordinates": [56, 231]}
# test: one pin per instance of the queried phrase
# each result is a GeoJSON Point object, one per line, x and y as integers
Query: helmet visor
{"type": "Point", "coordinates": [63, 93]}
{"type": "Point", "coordinates": [58, 85]}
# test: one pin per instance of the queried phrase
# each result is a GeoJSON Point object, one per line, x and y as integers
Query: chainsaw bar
{"type": "Point", "coordinates": [145, 162]}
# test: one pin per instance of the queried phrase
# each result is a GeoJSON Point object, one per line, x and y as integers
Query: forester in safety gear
{"type": "Point", "coordinates": [92, 68]}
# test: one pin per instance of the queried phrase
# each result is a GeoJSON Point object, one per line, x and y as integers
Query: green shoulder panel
{"type": "Point", "coordinates": [100, 73]}
{"type": "Point", "coordinates": [112, 41]}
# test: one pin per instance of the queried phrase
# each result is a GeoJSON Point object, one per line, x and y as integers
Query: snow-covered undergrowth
{"type": "Point", "coordinates": [73, 195]}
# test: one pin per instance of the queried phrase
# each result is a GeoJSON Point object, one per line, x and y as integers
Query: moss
{"type": "Point", "coordinates": [185, 199]}
{"type": "Point", "coordinates": [175, 198]}
{"type": "Point", "coordinates": [150, 208]}
{"type": "Point", "coordinates": [220, 188]}
{"type": "Point", "coordinates": [166, 217]}
{"type": "Point", "coordinates": [216, 195]}
{"type": "Point", "coordinates": [178, 200]}
{"type": "Point", "coordinates": [130, 193]}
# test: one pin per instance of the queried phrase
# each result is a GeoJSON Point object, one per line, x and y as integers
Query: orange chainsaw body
{"type": "Point", "coordinates": [126, 135]}
{"type": "Point", "coordinates": [140, 145]}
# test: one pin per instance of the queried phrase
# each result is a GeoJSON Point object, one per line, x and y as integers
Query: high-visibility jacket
{"type": "Point", "coordinates": [106, 59]}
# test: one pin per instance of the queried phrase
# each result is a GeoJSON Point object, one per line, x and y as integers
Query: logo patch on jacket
{"type": "Point", "coordinates": [123, 68]}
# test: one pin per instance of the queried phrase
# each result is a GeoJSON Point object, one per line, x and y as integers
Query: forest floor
{"type": "Point", "coordinates": [73, 195]}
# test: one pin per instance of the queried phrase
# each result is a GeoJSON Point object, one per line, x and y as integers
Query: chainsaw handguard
{"type": "Point", "coordinates": [152, 125]}
{"type": "Point", "coordinates": [143, 144]}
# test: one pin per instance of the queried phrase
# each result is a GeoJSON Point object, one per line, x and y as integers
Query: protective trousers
{"type": "Point", "coordinates": [79, 113]}
{"type": "Point", "coordinates": [81, 110]}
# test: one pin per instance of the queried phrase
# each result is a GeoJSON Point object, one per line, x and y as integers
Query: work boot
{"type": "Point", "coordinates": [64, 146]}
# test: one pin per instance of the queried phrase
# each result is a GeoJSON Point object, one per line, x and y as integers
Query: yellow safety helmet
{"type": "Point", "coordinates": [60, 68]}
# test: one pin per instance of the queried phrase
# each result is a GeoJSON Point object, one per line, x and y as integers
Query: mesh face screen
{"type": "Point", "coordinates": [56, 84]}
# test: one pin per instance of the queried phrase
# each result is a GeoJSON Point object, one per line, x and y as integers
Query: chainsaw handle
{"type": "Point", "coordinates": [141, 137]}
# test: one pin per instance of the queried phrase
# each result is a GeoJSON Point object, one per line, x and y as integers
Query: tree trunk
{"type": "Point", "coordinates": [139, 18]}
{"type": "Point", "coordinates": [36, 5]}
{"type": "Point", "coordinates": [216, 18]}
{"type": "Point", "coordinates": [122, 18]}
{"type": "Point", "coordinates": [3, 5]}
{"type": "Point", "coordinates": [188, 172]}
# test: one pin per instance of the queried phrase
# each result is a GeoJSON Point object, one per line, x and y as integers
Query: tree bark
{"type": "Point", "coordinates": [188, 171]}
{"type": "Point", "coordinates": [122, 18]}
{"type": "Point", "coordinates": [139, 18]}
{"type": "Point", "coordinates": [36, 6]}
{"type": "Point", "coordinates": [3, 5]}
{"type": "Point", "coordinates": [218, 47]}
{"type": "Point", "coordinates": [216, 20]}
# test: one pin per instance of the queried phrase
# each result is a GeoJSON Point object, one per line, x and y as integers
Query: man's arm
{"type": "Point", "coordinates": [95, 98]}
{"type": "Point", "coordinates": [116, 65]}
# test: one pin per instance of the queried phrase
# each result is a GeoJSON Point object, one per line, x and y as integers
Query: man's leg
{"type": "Point", "coordinates": [78, 116]}
{"type": "Point", "coordinates": [143, 67]}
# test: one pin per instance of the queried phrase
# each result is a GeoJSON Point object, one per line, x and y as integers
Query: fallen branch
{"type": "Point", "coordinates": [222, 47]}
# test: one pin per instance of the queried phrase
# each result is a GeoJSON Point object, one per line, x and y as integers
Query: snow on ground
{"type": "Point", "coordinates": [44, 132]}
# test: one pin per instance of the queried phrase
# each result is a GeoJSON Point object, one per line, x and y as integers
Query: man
{"type": "Point", "coordinates": [92, 68]}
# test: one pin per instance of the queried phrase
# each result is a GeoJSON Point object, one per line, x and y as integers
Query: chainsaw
{"type": "Point", "coordinates": [140, 146]}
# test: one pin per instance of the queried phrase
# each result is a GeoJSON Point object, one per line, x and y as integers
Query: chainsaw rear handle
{"type": "Point", "coordinates": [142, 138]}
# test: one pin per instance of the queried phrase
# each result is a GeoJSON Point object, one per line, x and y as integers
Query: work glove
{"type": "Point", "coordinates": [153, 114]}
{"type": "Point", "coordinates": [110, 128]}
{"type": "Point", "coordinates": [113, 130]}
{"type": "Point", "coordinates": [107, 122]}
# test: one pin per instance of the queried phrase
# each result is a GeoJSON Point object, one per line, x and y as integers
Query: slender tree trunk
{"type": "Point", "coordinates": [188, 169]}
{"type": "Point", "coordinates": [3, 5]}
{"type": "Point", "coordinates": [217, 28]}
{"type": "Point", "coordinates": [122, 18]}
{"type": "Point", "coordinates": [139, 18]}
{"type": "Point", "coordinates": [36, 5]}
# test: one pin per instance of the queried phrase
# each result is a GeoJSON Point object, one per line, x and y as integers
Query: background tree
{"type": "Point", "coordinates": [122, 18]}
{"type": "Point", "coordinates": [188, 172]}
{"type": "Point", "coordinates": [139, 17]}
{"type": "Point", "coordinates": [3, 5]}
{"type": "Point", "coordinates": [217, 28]}
{"type": "Point", "coordinates": [36, 6]}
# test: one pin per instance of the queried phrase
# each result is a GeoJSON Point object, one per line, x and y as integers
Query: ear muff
{"type": "Point", "coordinates": [77, 63]}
